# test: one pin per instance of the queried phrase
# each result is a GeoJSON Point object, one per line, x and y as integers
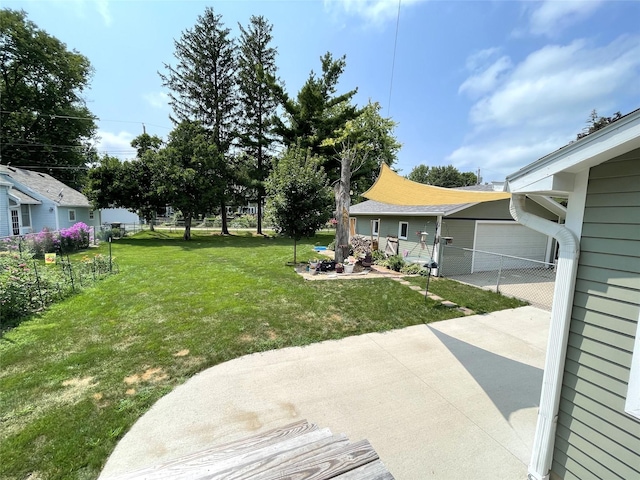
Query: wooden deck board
{"type": "Point", "coordinates": [326, 466]}
{"type": "Point", "coordinates": [228, 450]}
{"type": "Point", "coordinates": [299, 451]}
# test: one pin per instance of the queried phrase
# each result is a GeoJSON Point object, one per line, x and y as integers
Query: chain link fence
{"type": "Point", "coordinates": [529, 280]}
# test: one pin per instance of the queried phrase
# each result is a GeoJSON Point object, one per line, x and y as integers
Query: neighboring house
{"type": "Point", "coordinates": [31, 201]}
{"type": "Point", "coordinates": [119, 215]}
{"type": "Point", "coordinates": [589, 416]}
{"type": "Point", "coordinates": [478, 220]}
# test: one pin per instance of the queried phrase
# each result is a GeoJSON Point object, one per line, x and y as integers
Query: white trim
{"type": "Point", "coordinates": [436, 248]}
{"type": "Point", "coordinates": [544, 440]}
{"type": "Point", "coordinates": [612, 141]}
{"type": "Point", "coordinates": [632, 403]}
{"type": "Point", "coordinates": [375, 231]}
{"type": "Point", "coordinates": [400, 237]}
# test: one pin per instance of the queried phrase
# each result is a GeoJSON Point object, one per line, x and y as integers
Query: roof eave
{"type": "Point", "coordinates": [553, 174]}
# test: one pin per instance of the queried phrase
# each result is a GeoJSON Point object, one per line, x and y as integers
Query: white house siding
{"type": "Point", "coordinates": [507, 238]}
{"type": "Point", "coordinates": [118, 215]}
{"type": "Point", "coordinates": [595, 438]}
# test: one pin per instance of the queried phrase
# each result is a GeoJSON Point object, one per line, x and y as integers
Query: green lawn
{"type": "Point", "coordinates": [74, 379]}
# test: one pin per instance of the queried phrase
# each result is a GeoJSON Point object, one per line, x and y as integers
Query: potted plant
{"type": "Point", "coordinates": [313, 264]}
{"type": "Point", "coordinates": [348, 267]}
{"type": "Point", "coordinates": [339, 268]}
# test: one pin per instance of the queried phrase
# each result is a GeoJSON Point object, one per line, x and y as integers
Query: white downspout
{"type": "Point", "coordinates": [542, 454]}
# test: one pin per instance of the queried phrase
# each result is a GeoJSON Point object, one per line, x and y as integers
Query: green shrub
{"type": "Point", "coordinates": [412, 269]}
{"type": "Point", "coordinates": [28, 285]}
{"type": "Point", "coordinates": [395, 262]}
{"type": "Point", "coordinates": [378, 257]}
{"type": "Point", "coordinates": [244, 221]}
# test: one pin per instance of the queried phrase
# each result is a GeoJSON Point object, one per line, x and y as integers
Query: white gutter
{"type": "Point", "coordinates": [542, 454]}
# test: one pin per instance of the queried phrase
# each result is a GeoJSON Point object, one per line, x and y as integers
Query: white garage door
{"type": "Point", "coordinates": [507, 239]}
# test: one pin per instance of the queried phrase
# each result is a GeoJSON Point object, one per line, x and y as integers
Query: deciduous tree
{"type": "Point", "coordinates": [442, 176]}
{"type": "Point", "coordinates": [361, 146]}
{"type": "Point", "coordinates": [299, 197]}
{"type": "Point", "coordinates": [189, 167]}
{"type": "Point", "coordinates": [46, 124]}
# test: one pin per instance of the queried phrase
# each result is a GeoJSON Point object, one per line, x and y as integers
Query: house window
{"type": "Point", "coordinates": [26, 217]}
{"type": "Point", "coordinates": [375, 227]}
{"type": "Point", "coordinates": [632, 404]}
{"type": "Point", "coordinates": [72, 215]}
{"type": "Point", "coordinates": [403, 230]}
{"type": "Point", "coordinates": [15, 222]}
{"type": "Point", "coordinates": [90, 214]}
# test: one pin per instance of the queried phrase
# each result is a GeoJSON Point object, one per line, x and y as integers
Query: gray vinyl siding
{"type": "Point", "coordinates": [389, 226]}
{"type": "Point", "coordinates": [595, 438]}
{"type": "Point", "coordinates": [455, 261]}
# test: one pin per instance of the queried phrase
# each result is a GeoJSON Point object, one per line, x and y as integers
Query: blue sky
{"type": "Point", "coordinates": [492, 85]}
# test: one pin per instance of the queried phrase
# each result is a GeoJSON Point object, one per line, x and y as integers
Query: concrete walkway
{"type": "Point", "coordinates": [456, 399]}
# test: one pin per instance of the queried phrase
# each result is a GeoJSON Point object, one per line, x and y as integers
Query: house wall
{"type": "Point", "coordinates": [389, 226]}
{"type": "Point", "coordinates": [595, 438]}
{"type": "Point", "coordinates": [41, 217]}
{"type": "Point", "coordinates": [121, 215]}
{"type": "Point", "coordinates": [82, 215]}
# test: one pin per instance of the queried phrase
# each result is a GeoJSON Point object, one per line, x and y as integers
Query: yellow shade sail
{"type": "Point", "coordinates": [396, 190]}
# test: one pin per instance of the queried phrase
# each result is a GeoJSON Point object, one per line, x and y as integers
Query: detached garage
{"type": "Point", "coordinates": [398, 208]}
{"type": "Point", "coordinates": [508, 238]}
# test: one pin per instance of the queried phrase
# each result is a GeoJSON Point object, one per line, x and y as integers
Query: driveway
{"type": "Point", "coordinates": [455, 399]}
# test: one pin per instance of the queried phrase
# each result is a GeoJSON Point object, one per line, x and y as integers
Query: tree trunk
{"type": "Point", "coordinates": [223, 216]}
{"type": "Point", "coordinates": [260, 197]}
{"type": "Point", "coordinates": [151, 222]}
{"type": "Point", "coordinates": [342, 194]}
{"type": "Point", "coordinates": [295, 257]}
{"type": "Point", "coordinates": [187, 227]}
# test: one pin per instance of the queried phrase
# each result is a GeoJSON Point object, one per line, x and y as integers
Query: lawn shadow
{"type": "Point", "coordinates": [511, 385]}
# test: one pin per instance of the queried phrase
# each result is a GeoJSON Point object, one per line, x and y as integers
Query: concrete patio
{"type": "Point", "coordinates": [455, 399]}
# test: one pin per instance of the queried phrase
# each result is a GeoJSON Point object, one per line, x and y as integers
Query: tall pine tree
{"type": "Point", "coordinates": [203, 88]}
{"type": "Point", "coordinates": [256, 74]}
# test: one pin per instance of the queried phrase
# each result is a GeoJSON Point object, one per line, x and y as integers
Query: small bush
{"type": "Point", "coordinates": [244, 221]}
{"type": "Point", "coordinates": [395, 263]}
{"type": "Point", "coordinates": [28, 285]}
{"type": "Point", "coordinates": [378, 257]}
{"type": "Point", "coordinates": [412, 269]}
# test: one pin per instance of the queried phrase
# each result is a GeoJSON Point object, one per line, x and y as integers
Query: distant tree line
{"type": "Point", "coordinates": [442, 176]}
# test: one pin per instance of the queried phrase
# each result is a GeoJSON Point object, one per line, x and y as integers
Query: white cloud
{"type": "Point", "coordinates": [556, 80]}
{"type": "Point", "coordinates": [484, 81]}
{"type": "Point", "coordinates": [157, 99]}
{"type": "Point", "coordinates": [553, 15]}
{"type": "Point", "coordinates": [373, 11]}
{"type": "Point", "coordinates": [116, 144]}
{"type": "Point", "coordinates": [526, 110]}
{"type": "Point", "coordinates": [79, 7]}
{"type": "Point", "coordinates": [498, 157]}
{"type": "Point", "coordinates": [103, 10]}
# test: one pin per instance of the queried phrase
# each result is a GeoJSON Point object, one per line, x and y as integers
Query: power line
{"type": "Point", "coordinates": [88, 119]}
{"type": "Point", "coordinates": [393, 63]}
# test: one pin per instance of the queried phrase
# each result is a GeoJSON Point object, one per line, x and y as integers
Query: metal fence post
{"type": "Point", "coordinates": [499, 274]}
